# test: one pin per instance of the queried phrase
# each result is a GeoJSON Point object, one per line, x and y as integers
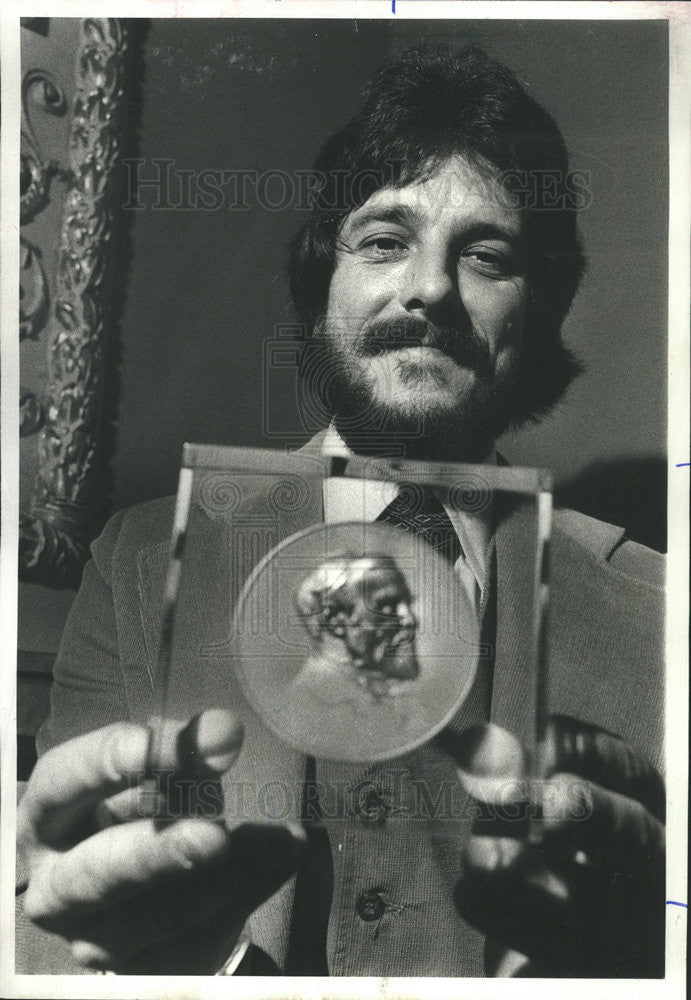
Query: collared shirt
{"type": "Point", "coordinates": [347, 499]}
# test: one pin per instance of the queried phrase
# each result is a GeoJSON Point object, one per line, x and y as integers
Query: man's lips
{"type": "Point", "coordinates": [418, 340]}
{"type": "Point", "coordinates": [422, 356]}
{"type": "Point", "coordinates": [426, 365]}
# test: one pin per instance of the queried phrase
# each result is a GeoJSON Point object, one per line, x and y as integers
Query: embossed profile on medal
{"type": "Point", "coordinates": [358, 612]}
{"type": "Point", "coordinates": [372, 647]}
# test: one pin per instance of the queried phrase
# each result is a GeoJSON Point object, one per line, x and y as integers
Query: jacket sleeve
{"type": "Point", "coordinates": [88, 690]}
{"type": "Point", "coordinates": [87, 693]}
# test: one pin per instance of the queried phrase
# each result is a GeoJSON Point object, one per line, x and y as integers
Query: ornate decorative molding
{"type": "Point", "coordinates": [38, 90]}
{"type": "Point", "coordinates": [55, 535]}
{"type": "Point", "coordinates": [38, 87]}
{"type": "Point", "coordinates": [33, 291]}
{"type": "Point", "coordinates": [30, 413]}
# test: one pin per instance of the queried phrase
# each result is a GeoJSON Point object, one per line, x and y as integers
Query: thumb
{"type": "Point", "coordinates": [490, 762]}
{"type": "Point", "coordinates": [209, 743]}
{"type": "Point", "coordinates": [187, 761]}
{"type": "Point", "coordinates": [203, 746]}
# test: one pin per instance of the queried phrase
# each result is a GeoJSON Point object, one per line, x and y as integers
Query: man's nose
{"type": "Point", "coordinates": [431, 286]}
{"type": "Point", "coordinates": [405, 616]}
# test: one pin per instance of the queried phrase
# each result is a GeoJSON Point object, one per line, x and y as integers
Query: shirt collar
{"type": "Point", "coordinates": [347, 499]}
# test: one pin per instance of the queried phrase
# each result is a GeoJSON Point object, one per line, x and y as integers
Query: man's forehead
{"type": "Point", "coordinates": [374, 568]}
{"type": "Point", "coordinates": [455, 189]}
{"type": "Point", "coordinates": [384, 577]}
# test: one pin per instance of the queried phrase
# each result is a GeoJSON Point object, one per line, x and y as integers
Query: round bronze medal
{"type": "Point", "coordinates": [355, 642]}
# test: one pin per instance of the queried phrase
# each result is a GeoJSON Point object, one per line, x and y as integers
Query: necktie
{"type": "Point", "coordinates": [420, 512]}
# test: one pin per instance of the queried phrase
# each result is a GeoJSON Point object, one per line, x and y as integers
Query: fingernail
{"type": "Point", "coordinates": [488, 751]}
{"type": "Point", "coordinates": [220, 762]}
{"type": "Point", "coordinates": [297, 830]}
{"type": "Point", "coordinates": [565, 798]}
{"type": "Point", "coordinates": [91, 955]}
{"type": "Point", "coordinates": [193, 843]}
{"type": "Point", "coordinates": [219, 739]}
{"type": "Point", "coordinates": [493, 853]}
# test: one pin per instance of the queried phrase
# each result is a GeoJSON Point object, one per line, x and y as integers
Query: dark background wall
{"type": "Point", "coordinates": [207, 288]}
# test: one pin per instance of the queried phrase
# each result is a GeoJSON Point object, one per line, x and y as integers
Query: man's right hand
{"type": "Point", "coordinates": [133, 893]}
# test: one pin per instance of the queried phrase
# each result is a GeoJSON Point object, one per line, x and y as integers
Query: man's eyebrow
{"type": "Point", "coordinates": [481, 230]}
{"type": "Point", "coordinates": [400, 214]}
{"type": "Point", "coordinates": [476, 229]}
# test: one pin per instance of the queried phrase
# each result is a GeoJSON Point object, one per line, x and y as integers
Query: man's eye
{"type": "Point", "coordinates": [383, 246]}
{"type": "Point", "coordinates": [488, 261]}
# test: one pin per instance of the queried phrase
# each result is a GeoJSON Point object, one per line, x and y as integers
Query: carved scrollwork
{"type": "Point", "coordinates": [38, 87]}
{"type": "Point", "coordinates": [30, 413]}
{"type": "Point", "coordinates": [33, 291]}
{"type": "Point", "coordinates": [49, 542]}
{"type": "Point", "coordinates": [55, 535]}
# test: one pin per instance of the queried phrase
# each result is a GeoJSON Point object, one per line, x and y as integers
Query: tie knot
{"type": "Point", "coordinates": [419, 510]}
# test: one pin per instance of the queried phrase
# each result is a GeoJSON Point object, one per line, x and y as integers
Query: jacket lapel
{"type": "Point", "coordinates": [513, 704]}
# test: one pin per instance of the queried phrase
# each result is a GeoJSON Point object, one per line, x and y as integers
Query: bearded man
{"type": "Point", "coordinates": [433, 277]}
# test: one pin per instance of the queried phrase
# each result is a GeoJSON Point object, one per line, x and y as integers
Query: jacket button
{"type": "Point", "coordinates": [370, 906]}
{"type": "Point", "coordinates": [370, 807]}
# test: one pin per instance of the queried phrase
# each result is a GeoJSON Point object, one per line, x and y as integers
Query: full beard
{"type": "Point", "coordinates": [399, 661]}
{"type": "Point", "coordinates": [423, 426]}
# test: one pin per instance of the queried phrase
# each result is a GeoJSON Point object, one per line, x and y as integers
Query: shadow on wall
{"type": "Point", "coordinates": [631, 493]}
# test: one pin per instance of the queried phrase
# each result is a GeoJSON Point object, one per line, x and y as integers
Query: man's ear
{"type": "Point", "coordinates": [314, 625]}
{"type": "Point", "coordinates": [334, 621]}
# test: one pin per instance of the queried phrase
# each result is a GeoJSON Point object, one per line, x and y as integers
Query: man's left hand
{"type": "Point", "coordinates": [584, 894]}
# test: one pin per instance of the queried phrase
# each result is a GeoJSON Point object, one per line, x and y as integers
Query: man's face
{"type": "Point", "coordinates": [426, 312]}
{"type": "Point", "coordinates": [381, 633]}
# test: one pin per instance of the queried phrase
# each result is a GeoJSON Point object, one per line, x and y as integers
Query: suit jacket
{"type": "Point", "coordinates": [605, 638]}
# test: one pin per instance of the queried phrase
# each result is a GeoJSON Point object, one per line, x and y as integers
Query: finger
{"type": "Point", "coordinates": [615, 832]}
{"type": "Point", "coordinates": [490, 759]}
{"type": "Point", "coordinates": [492, 770]}
{"type": "Point", "coordinates": [485, 750]}
{"type": "Point", "coordinates": [580, 748]}
{"type": "Point", "coordinates": [199, 950]}
{"type": "Point", "coordinates": [116, 864]}
{"type": "Point", "coordinates": [491, 762]}
{"type": "Point", "coordinates": [495, 896]}
{"type": "Point", "coordinates": [126, 861]}
{"type": "Point", "coordinates": [140, 802]}
{"type": "Point", "coordinates": [165, 800]}
{"type": "Point", "coordinates": [191, 757]}
{"type": "Point", "coordinates": [505, 963]}
{"type": "Point", "coordinates": [570, 920]}
{"type": "Point", "coordinates": [257, 861]}
{"type": "Point", "coordinates": [69, 780]}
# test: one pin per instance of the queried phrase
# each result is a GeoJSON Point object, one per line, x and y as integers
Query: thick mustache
{"type": "Point", "coordinates": [464, 346]}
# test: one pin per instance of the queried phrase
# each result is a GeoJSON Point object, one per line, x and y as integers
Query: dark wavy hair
{"type": "Point", "coordinates": [435, 102]}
